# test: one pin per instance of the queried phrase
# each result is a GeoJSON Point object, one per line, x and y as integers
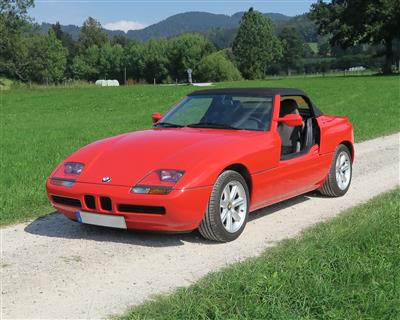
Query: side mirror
{"type": "Point", "coordinates": [291, 120]}
{"type": "Point", "coordinates": [156, 117]}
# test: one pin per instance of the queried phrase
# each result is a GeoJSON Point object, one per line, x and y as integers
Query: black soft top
{"type": "Point", "coordinates": [255, 91]}
{"type": "Point", "coordinates": [259, 92]}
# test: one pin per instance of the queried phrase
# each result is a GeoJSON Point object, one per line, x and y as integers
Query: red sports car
{"type": "Point", "coordinates": [213, 158]}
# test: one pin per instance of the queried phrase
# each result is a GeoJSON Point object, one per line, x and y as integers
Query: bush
{"type": "Point", "coordinates": [217, 67]}
{"type": "Point", "coordinates": [5, 84]}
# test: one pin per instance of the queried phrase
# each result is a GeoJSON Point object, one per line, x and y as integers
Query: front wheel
{"type": "Point", "coordinates": [339, 178]}
{"type": "Point", "coordinates": [228, 208]}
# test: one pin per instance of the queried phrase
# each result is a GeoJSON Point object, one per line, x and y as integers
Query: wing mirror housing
{"type": "Point", "coordinates": [291, 120]}
{"type": "Point", "coordinates": [156, 117]}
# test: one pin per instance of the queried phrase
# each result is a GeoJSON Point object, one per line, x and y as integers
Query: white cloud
{"type": "Point", "coordinates": [124, 25]}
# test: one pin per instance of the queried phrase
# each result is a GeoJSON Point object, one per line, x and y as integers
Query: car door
{"type": "Point", "coordinates": [300, 171]}
{"type": "Point", "coordinates": [294, 174]}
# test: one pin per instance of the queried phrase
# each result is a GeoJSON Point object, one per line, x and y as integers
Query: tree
{"type": "Point", "coordinates": [309, 50]}
{"type": "Point", "coordinates": [120, 39]}
{"type": "Point", "coordinates": [134, 59]}
{"type": "Point", "coordinates": [85, 65]}
{"type": "Point", "coordinates": [155, 60]}
{"type": "Point", "coordinates": [68, 43]}
{"type": "Point", "coordinates": [46, 58]}
{"type": "Point", "coordinates": [351, 22]}
{"type": "Point", "coordinates": [36, 45]}
{"type": "Point", "coordinates": [217, 67]}
{"type": "Point", "coordinates": [293, 49]}
{"type": "Point", "coordinates": [57, 30]}
{"type": "Point", "coordinates": [186, 51]}
{"type": "Point", "coordinates": [13, 23]}
{"type": "Point", "coordinates": [91, 35]}
{"type": "Point", "coordinates": [65, 38]}
{"type": "Point", "coordinates": [17, 8]}
{"type": "Point", "coordinates": [56, 58]}
{"type": "Point", "coordinates": [110, 61]}
{"type": "Point", "coordinates": [255, 46]}
{"type": "Point", "coordinates": [324, 48]}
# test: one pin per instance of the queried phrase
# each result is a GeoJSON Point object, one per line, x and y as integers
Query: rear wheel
{"type": "Point", "coordinates": [228, 208]}
{"type": "Point", "coordinates": [339, 178]}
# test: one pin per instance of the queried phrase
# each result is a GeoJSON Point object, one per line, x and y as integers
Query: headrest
{"type": "Point", "coordinates": [288, 106]}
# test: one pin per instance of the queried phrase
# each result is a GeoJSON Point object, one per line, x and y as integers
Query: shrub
{"type": "Point", "coordinates": [217, 67]}
{"type": "Point", "coordinates": [5, 84]}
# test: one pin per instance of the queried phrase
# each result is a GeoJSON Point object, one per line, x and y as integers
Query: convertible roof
{"type": "Point", "coordinates": [258, 91]}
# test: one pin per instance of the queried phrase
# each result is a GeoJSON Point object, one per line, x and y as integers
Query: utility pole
{"type": "Point", "coordinates": [125, 75]}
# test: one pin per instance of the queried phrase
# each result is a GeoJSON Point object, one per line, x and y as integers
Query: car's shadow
{"type": "Point", "coordinates": [58, 226]}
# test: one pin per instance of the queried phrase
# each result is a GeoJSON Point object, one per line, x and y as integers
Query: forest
{"type": "Point", "coordinates": [258, 47]}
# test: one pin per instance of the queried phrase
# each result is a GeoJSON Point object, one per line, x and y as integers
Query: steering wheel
{"type": "Point", "coordinates": [258, 121]}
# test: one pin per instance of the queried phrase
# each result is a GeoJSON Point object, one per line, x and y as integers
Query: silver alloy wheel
{"type": "Point", "coordinates": [343, 170]}
{"type": "Point", "coordinates": [233, 206]}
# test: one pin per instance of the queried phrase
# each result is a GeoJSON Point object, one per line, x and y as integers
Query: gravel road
{"type": "Point", "coordinates": [54, 268]}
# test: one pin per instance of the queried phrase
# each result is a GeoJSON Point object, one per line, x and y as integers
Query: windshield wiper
{"type": "Point", "coordinates": [168, 125]}
{"type": "Point", "coordinates": [212, 125]}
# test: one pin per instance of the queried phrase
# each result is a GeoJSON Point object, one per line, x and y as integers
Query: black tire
{"type": "Point", "coordinates": [211, 227]}
{"type": "Point", "coordinates": [331, 187]}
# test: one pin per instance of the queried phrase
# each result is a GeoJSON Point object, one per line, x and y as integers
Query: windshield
{"type": "Point", "coordinates": [241, 112]}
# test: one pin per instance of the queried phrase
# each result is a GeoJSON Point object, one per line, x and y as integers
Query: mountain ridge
{"type": "Point", "coordinates": [193, 21]}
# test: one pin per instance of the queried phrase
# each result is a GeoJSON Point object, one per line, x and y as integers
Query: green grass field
{"type": "Point", "coordinates": [40, 127]}
{"type": "Point", "coordinates": [347, 268]}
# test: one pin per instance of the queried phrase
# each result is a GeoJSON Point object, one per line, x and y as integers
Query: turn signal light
{"type": "Point", "coordinates": [62, 182]}
{"type": "Point", "coordinates": [151, 190]}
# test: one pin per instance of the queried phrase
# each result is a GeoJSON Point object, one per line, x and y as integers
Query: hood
{"type": "Point", "coordinates": [129, 157]}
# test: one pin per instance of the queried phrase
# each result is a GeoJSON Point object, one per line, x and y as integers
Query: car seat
{"type": "Point", "coordinates": [290, 136]}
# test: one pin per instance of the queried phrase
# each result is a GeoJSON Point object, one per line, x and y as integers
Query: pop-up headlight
{"type": "Point", "coordinates": [73, 168]}
{"type": "Point", "coordinates": [66, 175]}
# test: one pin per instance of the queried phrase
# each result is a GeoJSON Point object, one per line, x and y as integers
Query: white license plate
{"type": "Point", "coordinates": [104, 220]}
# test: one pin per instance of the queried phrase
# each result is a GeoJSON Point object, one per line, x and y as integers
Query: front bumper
{"type": "Point", "coordinates": [184, 209]}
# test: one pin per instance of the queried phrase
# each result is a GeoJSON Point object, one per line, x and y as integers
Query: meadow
{"type": "Point", "coordinates": [347, 268]}
{"type": "Point", "coordinates": [41, 126]}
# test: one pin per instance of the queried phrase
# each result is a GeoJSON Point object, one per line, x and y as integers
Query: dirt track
{"type": "Point", "coordinates": [54, 268]}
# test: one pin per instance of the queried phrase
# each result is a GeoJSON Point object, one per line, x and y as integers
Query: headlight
{"type": "Point", "coordinates": [73, 167]}
{"type": "Point", "coordinates": [158, 182]}
{"type": "Point", "coordinates": [65, 175]}
{"type": "Point", "coordinates": [170, 175]}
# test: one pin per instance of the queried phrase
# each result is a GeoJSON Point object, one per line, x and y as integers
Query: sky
{"type": "Point", "coordinates": [137, 14]}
